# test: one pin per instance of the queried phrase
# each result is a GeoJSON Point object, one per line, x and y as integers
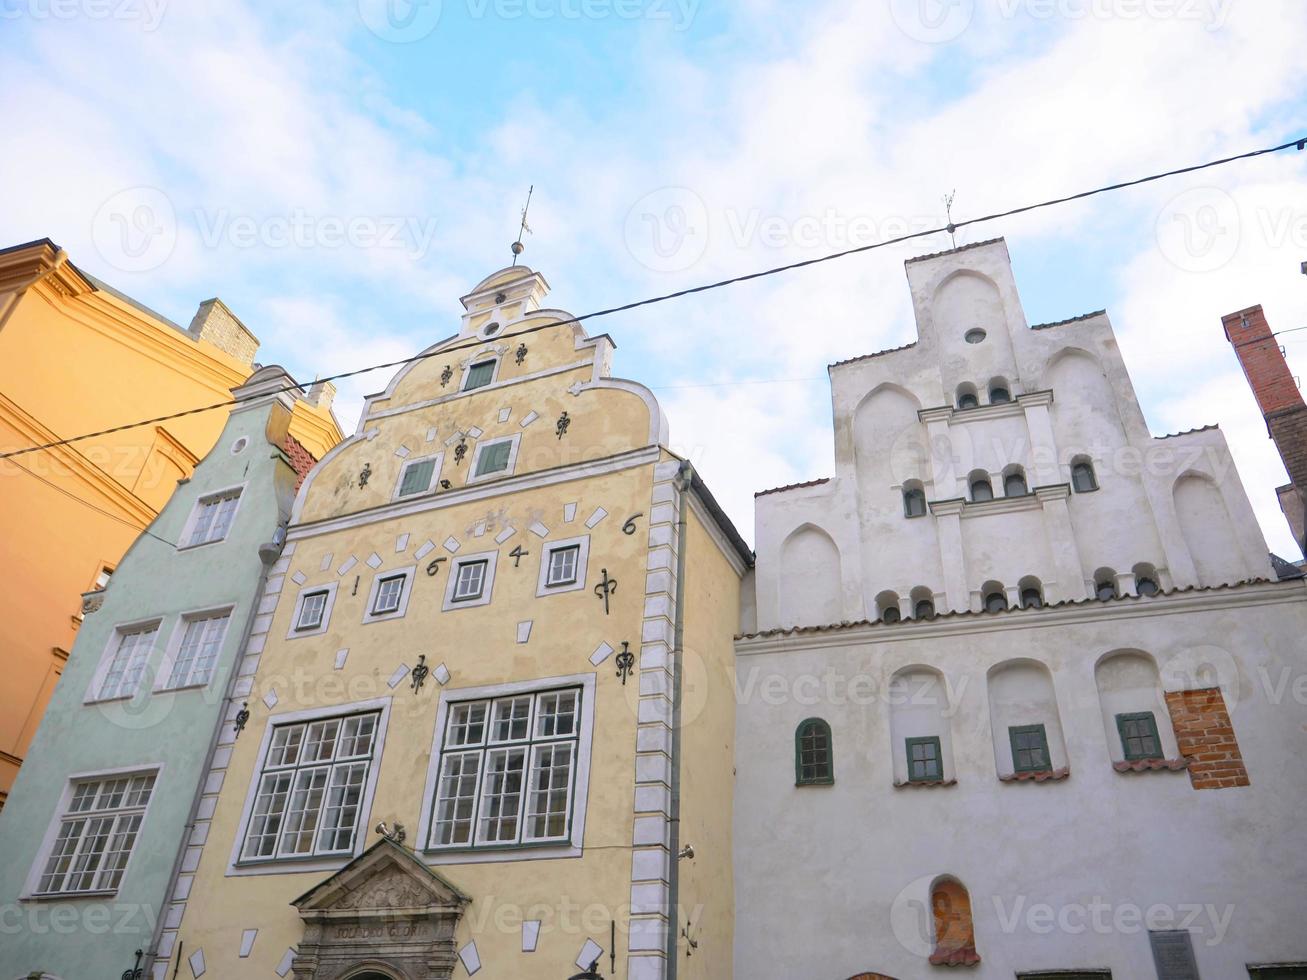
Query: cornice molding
{"type": "Point", "coordinates": [1088, 611]}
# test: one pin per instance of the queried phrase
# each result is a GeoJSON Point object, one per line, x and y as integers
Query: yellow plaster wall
{"type": "Point", "coordinates": [707, 894]}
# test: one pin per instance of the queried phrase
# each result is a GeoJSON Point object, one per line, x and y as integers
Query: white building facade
{"type": "Point", "coordinates": [1043, 691]}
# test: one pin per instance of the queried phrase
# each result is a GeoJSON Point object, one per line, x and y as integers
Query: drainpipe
{"type": "Point", "coordinates": [683, 479]}
{"type": "Point", "coordinates": [16, 297]}
{"type": "Point", "coordinates": [268, 554]}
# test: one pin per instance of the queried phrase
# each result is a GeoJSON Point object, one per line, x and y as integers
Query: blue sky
{"type": "Point", "coordinates": [169, 147]}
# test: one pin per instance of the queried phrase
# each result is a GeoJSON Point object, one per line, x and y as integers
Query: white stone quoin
{"type": "Point", "coordinates": [1004, 553]}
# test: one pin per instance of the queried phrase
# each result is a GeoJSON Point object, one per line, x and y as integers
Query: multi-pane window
{"type": "Point", "coordinates": [128, 663]}
{"type": "Point", "coordinates": [479, 375]}
{"type": "Point", "coordinates": [470, 582]}
{"type": "Point", "coordinates": [813, 754]}
{"type": "Point", "coordinates": [417, 477]}
{"type": "Point", "coordinates": [1139, 735]}
{"type": "Point", "coordinates": [925, 762]}
{"type": "Point", "coordinates": [562, 565]}
{"type": "Point", "coordinates": [494, 457]}
{"type": "Point", "coordinates": [312, 608]}
{"type": "Point", "coordinates": [1082, 478]}
{"type": "Point", "coordinates": [507, 769]}
{"type": "Point", "coordinates": [389, 593]}
{"type": "Point", "coordinates": [96, 834]}
{"type": "Point", "coordinates": [1029, 748]}
{"type": "Point", "coordinates": [213, 516]}
{"type": "Point", "coordinates": [198, 653]}
{"type": "Point", "coordinates": [311, 787]}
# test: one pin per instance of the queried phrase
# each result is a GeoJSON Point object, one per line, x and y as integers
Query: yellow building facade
{"type": "Point", "coordinates": [491, 698]}
{"type": "Point", "coordinates": [77, 357]}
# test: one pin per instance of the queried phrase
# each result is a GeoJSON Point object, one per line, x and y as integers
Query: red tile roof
{"type": "Point", "coordinates": [962, 956]}
{"type": "Point", "coordinates": [1147, 765]}
{"type": "Point", "coordinates": [1043, 776]}
{"type": "Point", "coordinates": [301, 460]}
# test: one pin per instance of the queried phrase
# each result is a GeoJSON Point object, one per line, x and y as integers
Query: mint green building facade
{"type": "Point", "coordinates": [97, 826]}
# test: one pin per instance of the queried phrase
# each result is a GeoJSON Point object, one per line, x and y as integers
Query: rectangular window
{"type": "Point", "coordinates": [493, 457]}
{"type": "Point", "coordinates": [198, 654]}
{"type": "Point", "coordinates": [507, 770]}
{"type": "Point", "coordinates": [471, 580]}
{"type": "Point", "coordinates": [213, 517]}
{"type": "Point", "coordinates": [96, 834]}
{"type": "Point", "coordinates": [312, 608]}
{"type": "Point", "coordinates": [128, 663]}
{"type": "Point", "coordinates": [310, 788]}
{"type": "Point", "coordinates": [1029, 748]}
{"type": "Point", "coordinates": [925, 763]}
{"type": "Point", "coordinates": [1139, 736]}
{"type": "Point", "coordinates": [479, 375]}
{"type": "Point", "coordinates": [562, 565]}
{"type": "Point", "coordinates": [389, 592]}
{"type": "Point", "coordinates": [417, 477]}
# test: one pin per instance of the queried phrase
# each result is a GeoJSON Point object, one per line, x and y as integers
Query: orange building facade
{"type": "Point", "coordinates": [76, 356]}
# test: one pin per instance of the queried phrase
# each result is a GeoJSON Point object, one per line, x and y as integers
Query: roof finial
{"type": "Point", "coordinates": [948, 209]}
{"type": "Point", "coordinates": [525, 229]}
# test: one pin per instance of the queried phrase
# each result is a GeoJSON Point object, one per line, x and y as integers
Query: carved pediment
{"type": "Point", "coordinates": [384, 877]}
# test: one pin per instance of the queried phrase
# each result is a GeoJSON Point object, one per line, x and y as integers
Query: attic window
{"type": "Point", "coordinates": [974, 336]}
{"type": "Point", "coordinates": [479, 375]}
{"type": "Point", "coordinates": [490, 329]}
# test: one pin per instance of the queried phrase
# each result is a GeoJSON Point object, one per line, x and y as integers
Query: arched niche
{"type": "Point", "coordinates": [1024, 721]}
{"type": "Point", "coordinates": [889, 443]}
{"type": "Point", "coordinates": [1129, 686]}
{"type": "Point", "coordinates": [920, 727]}
{"type": "Point", "coordinates": [971, 324]}
{"type": "Point", "coordinates": [954, 933]}
{"type": "Point", "coordinates": [810, 580]}
{"type": "Point", "coordinates": [1207, 529]}
{"type": "Point", "coordinates": [1084, 402]}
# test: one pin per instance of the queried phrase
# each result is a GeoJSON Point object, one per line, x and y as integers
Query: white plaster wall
{"type": "Point", "coordinates": [822, 874]}
{"type": "Point", "coordinates": [1132, 518]}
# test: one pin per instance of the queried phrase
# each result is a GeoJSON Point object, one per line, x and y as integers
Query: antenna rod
{"type": "Point", "coordinates": [524, 229]}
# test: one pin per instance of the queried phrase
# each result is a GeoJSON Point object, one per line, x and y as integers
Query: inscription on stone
{"type": "Point", "coordinates": [395, 930]}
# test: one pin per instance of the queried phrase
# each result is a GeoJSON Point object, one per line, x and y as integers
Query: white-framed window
{"type": "Point", "coordinates": [509, 771]}
{"type": "Point", "coordinates": [471, 579]}
{"type": "Point", "coordinates": [99, 820]}
{"type": "Point", "coordinates": [125, 661]}
{"type": "Point", "coordinates": [480, 372]}
{"type": "Point", "coordinates": [494, 457]}
{"type": "Point", "coordinates": [418, 476]}
{"type": "Point", "coordinates": [563, 565]}
{"type": "Point", "coordinates": [311, 781]}
{"type": "Point", "coordinates": [212, 517]}
{"type": "Point", "coordinates": [388, 598]}
{"type": "Point", "coordinates": [312, 613]}
{"type": "Point", "coordinates": [198, 643]}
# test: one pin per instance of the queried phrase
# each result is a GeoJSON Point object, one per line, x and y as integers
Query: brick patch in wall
{"type": "Point", "coordinates": [1206, 739]}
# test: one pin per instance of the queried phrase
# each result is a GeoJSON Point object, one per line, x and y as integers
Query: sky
{"type": "Point", "coordinates": [340, 173]}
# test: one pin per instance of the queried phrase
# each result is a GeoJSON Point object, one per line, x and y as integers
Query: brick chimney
{"type": "Point", "coordinates": [214, 322]}
{"type": "Point", "coordinates": [1280, 401]}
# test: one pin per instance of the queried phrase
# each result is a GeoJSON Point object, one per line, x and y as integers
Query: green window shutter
{"type": "Point", "coordinates": [925, 760]}
{"type": "Point", "coordinates": [494, 458]}
{"type": "Point", "coordinates": [814, 756]}
{"type": "Point", "coordinates": [417, 477]}
{"type": "Point", "coordinates": [1029, 748]}
{"type": "Point", "coordinates": [479, 375]}
{"type": "Point", "coordinates": [1139, 738]}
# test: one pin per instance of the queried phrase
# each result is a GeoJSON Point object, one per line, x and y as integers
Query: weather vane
{"type": "Point", "coordinates": [525, 229]}
{"type": "Point", "coordinates": [948, 209]}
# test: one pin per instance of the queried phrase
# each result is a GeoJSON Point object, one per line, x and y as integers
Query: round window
{"type": "Point", "coordinates": [974, 336]}
{"type": "Point", "coordinates": [239, 445]}
{"type": "Point", "coordinates": [490, 329]}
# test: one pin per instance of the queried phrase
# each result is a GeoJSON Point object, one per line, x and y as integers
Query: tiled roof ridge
{"type": "Point", "coordinates": [845, 624]}
{"type": "Point", "coordinates": [951, 251]}
{"type": "Point", "coordinates": [879, 353]}
{"type": "Point", "coordinates": [1186, 432]}
{"type": "Point", "coordinates": [1070, 319]}
{"type": "Point", "coordinates": [793, 486]}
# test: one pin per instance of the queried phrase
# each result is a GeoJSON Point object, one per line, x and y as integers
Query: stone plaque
{"type": "Point", "coordinates": [1173, 955]}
